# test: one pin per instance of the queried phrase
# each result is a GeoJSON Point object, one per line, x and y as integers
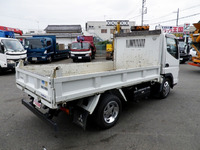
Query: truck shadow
{"type": "Point", "coordinates": [8, 72]}
{"type": "Point", "coordinates": [129, 110]}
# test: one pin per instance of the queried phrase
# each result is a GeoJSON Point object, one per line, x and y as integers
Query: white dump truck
{"type": "Point", "coordinates": [145, 63]}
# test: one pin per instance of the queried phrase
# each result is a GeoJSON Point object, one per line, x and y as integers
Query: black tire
{"type": "Point", "coordinates": [93, 56]}
{"type": "Point", "coordinates": [13, 70]}
{"type": "Point", "coordinates": [190, 58]}
{"type": "Point", "coordinates": [182, 61]}
{"type": "Point", "coordinates": [50, 59]}
{"type": "Point", "coordinates": [165, 89]}
{"type": "Point", "coordinates": [67, 56]}
{"type": "Point", "coordinates": [108, 111]}
{"type": "Point", "coordinates": [32, 62]}
{"type": "Point", "coordinates": [89, 59]}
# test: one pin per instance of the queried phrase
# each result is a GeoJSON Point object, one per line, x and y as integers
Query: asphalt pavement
{"type": "Point", "coordinates": [151, 124]}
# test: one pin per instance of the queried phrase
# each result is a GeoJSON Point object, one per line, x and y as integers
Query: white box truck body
{"type": "Point", "coordinates": [145, 63]}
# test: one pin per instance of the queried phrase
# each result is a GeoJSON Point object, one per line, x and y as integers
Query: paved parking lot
{"type": "Point", "coordinates": [169, 124]}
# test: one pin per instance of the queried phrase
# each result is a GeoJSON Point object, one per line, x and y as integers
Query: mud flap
{"type": "Point", "coordinates": [80, 117]}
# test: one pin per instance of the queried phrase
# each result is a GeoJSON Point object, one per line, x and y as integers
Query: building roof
{"type": "Point", "coordinates": [58, 35]}
{"type": "Point", "coordinates": [67, 35]}
{"type": "Point", "coordinates": [63, 29]}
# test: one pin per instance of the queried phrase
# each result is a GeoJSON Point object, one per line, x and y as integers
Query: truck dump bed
{"type": "Point", "coordinates": [55, 84]}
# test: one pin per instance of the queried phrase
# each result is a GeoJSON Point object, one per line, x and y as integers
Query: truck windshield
{"type": "Point", "coordinates": [80, 46]}
{"type": "Point", "coordinates": [12, 45]}
{"type": "Point", "coordinates": [33, 43]}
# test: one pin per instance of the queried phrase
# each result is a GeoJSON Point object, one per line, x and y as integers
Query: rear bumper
{"type": "Point", "coordinates": [39, 114]}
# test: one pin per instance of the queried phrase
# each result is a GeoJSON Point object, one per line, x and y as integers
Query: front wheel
{"type": "Point", "coordinates": [50, 59]}
{"type": "Point", "coordinates": [67, 56]}
{"type": "Point", "coordinates": [165, 89]}
{"type": "Point", "coordinates": [108, 111]}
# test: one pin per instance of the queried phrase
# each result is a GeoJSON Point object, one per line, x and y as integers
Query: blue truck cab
{"type": "Point", "coordinates": [43, 48]}
{"type": "Point", "coordinates": [7, 34]}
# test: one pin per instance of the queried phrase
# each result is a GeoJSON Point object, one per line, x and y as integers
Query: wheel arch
{"type": "Point", "coordinates": [170, 77]}
{"type": "Point", "coordinates": [117, 92]}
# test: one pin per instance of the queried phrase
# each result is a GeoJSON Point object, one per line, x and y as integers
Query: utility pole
{"type": "Point", "coordinates": [177, 17]}
{"type": "Point", "coordinates": [144, 11]}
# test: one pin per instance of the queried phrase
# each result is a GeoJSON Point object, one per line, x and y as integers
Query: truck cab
{"type": "Point", "coordinates": [7, 34]}
{"type": "Point", "coordinates": [42, 48]}
{"type": "Point", "coordinates": [11, 51]}
{"type": "Point", "coordinates": [83, 49]}
{"type": "Point", "coordinates": [39, 49]}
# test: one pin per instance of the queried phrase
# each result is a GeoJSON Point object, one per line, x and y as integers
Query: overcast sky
{"type": "Point", "coordinates": [37, 14]}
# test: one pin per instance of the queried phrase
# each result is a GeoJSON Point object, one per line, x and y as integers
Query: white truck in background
{"type": "Point", "coordinates": [11, 51]}
{"type": "Point", "coordinates": [145, 63]}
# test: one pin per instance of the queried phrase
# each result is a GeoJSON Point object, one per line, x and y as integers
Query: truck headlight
{"type": "Point", "coordinates": [72, 54]}
{"type": "Point", "coordinates": [45, 52]}
{"type": "Point", "coordinates": [87, 54]}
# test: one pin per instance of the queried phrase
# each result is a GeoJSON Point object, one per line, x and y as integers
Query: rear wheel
{"type": "Point", "coordinates": [108, 111]}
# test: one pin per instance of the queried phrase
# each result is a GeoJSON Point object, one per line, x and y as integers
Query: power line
{"type": "Point", "coordinates": [163, 16]}
{"type": "Point", "coordinates": [175, 19]}
{"type": "Point", "coordinates": [135, 16]}
{"type": "Point", "coordinates": [189, 16]}
{"type": "Point", "coordinates": [132, 11]}
{"type": "Point", "coordinates": [169, 14]}
{"type": "Point", "coordinates": [190, 7]}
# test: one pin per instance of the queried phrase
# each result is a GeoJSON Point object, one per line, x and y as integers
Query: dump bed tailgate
{"type": "Point", "coordinates": [38, 86]}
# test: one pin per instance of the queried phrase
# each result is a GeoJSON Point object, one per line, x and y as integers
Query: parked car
{"type": "Point", "coordinates": [184, 52]}
{"type": "Point", "coordinates": [192, 53]}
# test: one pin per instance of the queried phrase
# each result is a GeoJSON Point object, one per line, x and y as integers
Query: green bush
{"type": "Point", "coordinates": [103, 42]}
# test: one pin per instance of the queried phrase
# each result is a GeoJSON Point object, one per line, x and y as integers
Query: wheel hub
{"type": "Point", "coordinates": [111, 112]}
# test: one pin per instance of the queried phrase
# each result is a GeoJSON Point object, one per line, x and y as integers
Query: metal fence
{"type": "Point", "coordinates": [101, 50]}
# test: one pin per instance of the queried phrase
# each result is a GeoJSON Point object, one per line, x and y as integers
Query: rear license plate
{"type": "Point", "coordinates": [36, 103]}
{"type": "Point", "coordinates": [34, 58]}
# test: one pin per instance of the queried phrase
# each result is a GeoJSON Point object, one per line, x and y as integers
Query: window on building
{"type": "Point", "coordinates": [126, 30]}
{"type": "Point", "coordinates": [103, 30]}
{"type": "Point", "coordinates": [91, 27]}
{"type": "Point", "coordinates": [111, 31]}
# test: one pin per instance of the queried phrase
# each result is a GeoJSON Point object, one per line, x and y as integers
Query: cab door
{"type": "Point", "coordinates": [3, 59]}
{"type": "Point", "coordinates": [171, 57]}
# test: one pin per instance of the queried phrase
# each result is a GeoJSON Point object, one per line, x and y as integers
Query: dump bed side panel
{"type": "Point", "coordinates": [71, 88]}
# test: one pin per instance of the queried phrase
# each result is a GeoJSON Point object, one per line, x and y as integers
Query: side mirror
{"type": "Point", "coordinates": [1, 48]}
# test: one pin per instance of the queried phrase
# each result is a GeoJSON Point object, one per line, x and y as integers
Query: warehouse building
{"type": "Point", "coordinates": [103, 30]}
{"type": "Point", "coordinates": [65, 34]}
